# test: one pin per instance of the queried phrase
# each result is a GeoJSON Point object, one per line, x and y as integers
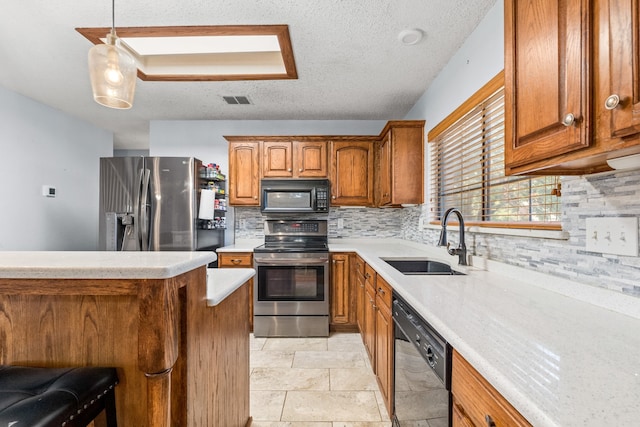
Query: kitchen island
{"type": "Point", "coordinates": [176, 332]}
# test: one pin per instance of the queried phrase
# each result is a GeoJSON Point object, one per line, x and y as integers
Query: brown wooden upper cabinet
{"type": "Point", "coordinates": [401, 157]}
{"type": "Point", "coordinates": [572, 85]}
{"type": "Point", "coordinates": [351, 172]}
{"type": "Point", "coordinates": [294, 159]}
{"type": "Point", "coordinates": [244, 173]}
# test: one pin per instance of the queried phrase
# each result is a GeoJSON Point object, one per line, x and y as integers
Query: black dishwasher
{"type": "Point", "coordinates": [422, 372]}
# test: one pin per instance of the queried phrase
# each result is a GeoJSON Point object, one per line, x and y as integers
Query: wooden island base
{"type": "Point", "coordinates": [180, 362]}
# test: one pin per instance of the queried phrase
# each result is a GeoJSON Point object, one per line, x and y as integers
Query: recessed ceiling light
{"type": "Point", "coordinates": [410, 37]}
{"type": "Point", "coordinates": [240, 52]}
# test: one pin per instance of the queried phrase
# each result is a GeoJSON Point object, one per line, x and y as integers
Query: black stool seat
{"type": "Point", "coordinates": [44, 397]}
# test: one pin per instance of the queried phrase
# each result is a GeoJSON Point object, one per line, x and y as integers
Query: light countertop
{"type": "Point", "coordinates": [563, 354]}
{"type": "Point", "coordinates": [222, 282]}
{"type": "Point", "coordinates": [99, 264]}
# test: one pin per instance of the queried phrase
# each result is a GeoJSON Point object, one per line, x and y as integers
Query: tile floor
{"type": "Point", "coordinates": [314, 382]}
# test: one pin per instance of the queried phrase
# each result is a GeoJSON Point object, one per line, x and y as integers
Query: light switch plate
{"type": "Point", "coordinates": [48, 191]}
{"type": "Point", "coordinates": [613, 235]}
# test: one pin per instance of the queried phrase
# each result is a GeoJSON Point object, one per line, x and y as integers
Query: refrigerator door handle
{"type": "Point", "coordinates": [144, 211]}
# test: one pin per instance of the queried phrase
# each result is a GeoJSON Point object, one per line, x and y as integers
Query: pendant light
{"type": "Point", "coordinates": [113, 71]}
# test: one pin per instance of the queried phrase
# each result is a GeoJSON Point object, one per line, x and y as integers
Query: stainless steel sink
{"type": "Point", "coordinates": [421, 266]}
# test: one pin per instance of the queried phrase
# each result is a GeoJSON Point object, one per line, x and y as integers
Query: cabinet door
{"type": "Point", "coordinates": [370, 322]}
{"type": "Point", "coordinates": [351, 173]}
{"type": "Point", "coordinates": [619, 60]}
{"type": "Point", "coordinates": [360, 301]}
{"type": "Point", "coordinates": [384, 177]}
{"type": "Point", "coordinates": [547, 79]}
{"type": "Point", "coordinates": [384, 350]}
{"type": "Point", "coordinates": [476, 399]}
{"type": "Point", "coordinates": [239, 260]}
{"type": "Point", "coordinates": [341, 296]}
{"type": "Point", "coordinates": [310, 159]}
{"type": "Point", "coordinates": [244, 173]}
{"type": "Point", "coordinates": [277, 159]}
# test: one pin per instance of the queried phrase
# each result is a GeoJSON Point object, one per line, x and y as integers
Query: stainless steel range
{"type": "Point", "coordinates": [291, 289]}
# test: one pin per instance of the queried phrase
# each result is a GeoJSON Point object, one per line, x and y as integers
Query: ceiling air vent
{"type": "Point", "coordinates": [235, 100]}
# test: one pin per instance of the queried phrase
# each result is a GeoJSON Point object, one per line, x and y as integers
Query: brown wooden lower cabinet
{"type": "Point", "coordinates": [377, 330]}
{"type": "Point", "coordinates": [180, 362]}
{"type": "Point", "coordinates": [476, 402]}
{"type": "Point", "coordinates": [239, 260]}
{"type": "Point", "coordinates": [342, 303]}
{"type": "Point", "coordinates": [358, 279]}
{"type": "Point", "coordinates": [384, 342]}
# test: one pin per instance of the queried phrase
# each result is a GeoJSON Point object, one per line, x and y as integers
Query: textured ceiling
{"type": "Point", "coordinates": [350, 63]}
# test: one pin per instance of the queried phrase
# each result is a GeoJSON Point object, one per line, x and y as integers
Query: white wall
{"type": "Point", "coordinates": [477, 61]}
{"type": "Point", "coordinates": [40, 145]}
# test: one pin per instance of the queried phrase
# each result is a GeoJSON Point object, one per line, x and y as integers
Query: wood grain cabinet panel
{"type": "Point", "coordinates": [384, 342]}
{"type": "Point", "coordinates": [294, 159]}
{"type": "Point", "coordinates": [342, 296]}
{"type": "Point", "coordinates": [239, 260]}
{"type": "Point", "coordinates": [244, 173]}
{"type": "Point", "coordinates": [310, 159]}
{"type": "Point", "coordinates": [546, 79]}
{"type": "Point", "coordinates": [575, 57]}
{"type": "Point", "coordinates": [476, 402]}
{"type": "Point", "coordinates": [277, 159]}
{"type": "Point", "coordinates": [400, 175]}
{"type": "Point", "coordinates": [351, 173]}
{"type": "Point", "coordinates": [358, 274]}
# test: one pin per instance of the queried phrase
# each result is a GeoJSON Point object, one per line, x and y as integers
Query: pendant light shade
{"type": "Point", "coordinates": [113, 72]}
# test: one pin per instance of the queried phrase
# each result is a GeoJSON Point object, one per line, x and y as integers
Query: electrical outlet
{"type": "Point", "coordinates": [422, 223]}
{"type": "Point", "coordinates": [340, 223]}
{"type": "Point", "coordinates": [242, 224]}
{"type": "Point", "coordinates": [613, 235]}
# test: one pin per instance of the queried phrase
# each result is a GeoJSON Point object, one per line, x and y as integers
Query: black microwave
{"type": "Point", "coordinates": [294, 195]}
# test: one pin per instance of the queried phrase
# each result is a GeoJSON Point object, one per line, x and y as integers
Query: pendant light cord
{"type": "Point", "coordinates": [113, 15]}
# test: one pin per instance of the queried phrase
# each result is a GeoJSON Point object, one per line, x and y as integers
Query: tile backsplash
{"type": "Point", "coordinates": [356, 223]}
{"type": "Point", "coordinates": [604, 195]}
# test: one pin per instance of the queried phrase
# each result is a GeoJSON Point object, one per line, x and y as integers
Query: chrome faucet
{"type": "Point", "coordinates": [461, 250]}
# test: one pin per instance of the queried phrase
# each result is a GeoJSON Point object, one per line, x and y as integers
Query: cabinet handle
{"type": "Point", "coordinates": [367, 275]}
{"type": "Point", "coordinates": [489, 420]}
{"type": "Point", "coordinates": [255, 197]}
{"type": "Point", "coordinates": [300, 170]}
{"type": "Point", "coordinates": [612, 102]}
{"type": "Point", "coordinates": [333, 197]}
{"type": "Point", "coordinates": [289, 170]}
{"type": "Point", "coordinates": [569, 120]}
{"type": "Point", "coordinates": [236, 261]}
{"type": "Point", "coordinates": [381, 291]}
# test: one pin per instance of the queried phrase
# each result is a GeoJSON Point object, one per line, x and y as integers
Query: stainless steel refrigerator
{"type": "Point", "coordinates": [151, 204]}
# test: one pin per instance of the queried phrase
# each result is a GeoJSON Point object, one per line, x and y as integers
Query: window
{"type": "Point", "coordinates": [467, 169]}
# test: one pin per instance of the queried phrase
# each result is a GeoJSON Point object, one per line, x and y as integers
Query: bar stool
{"type": "Point", "coordinates": [47, 397]}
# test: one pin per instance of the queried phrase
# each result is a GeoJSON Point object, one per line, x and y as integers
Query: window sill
{"type": "Point", "coordinates": [520, 232]}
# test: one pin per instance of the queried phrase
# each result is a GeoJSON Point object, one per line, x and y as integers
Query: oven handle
{"type": "Point", "coordinates": [299, 261]}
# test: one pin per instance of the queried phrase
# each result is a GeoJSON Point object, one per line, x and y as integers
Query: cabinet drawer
{"type": "Point", "coordinates": [383, 290]}
{"type": "Point", "coordinates": [369, 274]}
{"type": "Point", "coordinates": [475, 399]}
{"type": "Point", "coordinates": [231, 259]}
{"type": "Point", "coordinates": [359, 265]}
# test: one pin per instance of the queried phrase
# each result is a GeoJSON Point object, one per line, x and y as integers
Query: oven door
{"type": "Point", "coordinates": [291, 284]}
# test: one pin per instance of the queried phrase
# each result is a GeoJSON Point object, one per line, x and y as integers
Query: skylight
{"type": "Point", "coordinates": [206, 53]}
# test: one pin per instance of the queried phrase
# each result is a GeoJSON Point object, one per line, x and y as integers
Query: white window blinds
{"type": "Point", "coordinates": [467, 172]}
